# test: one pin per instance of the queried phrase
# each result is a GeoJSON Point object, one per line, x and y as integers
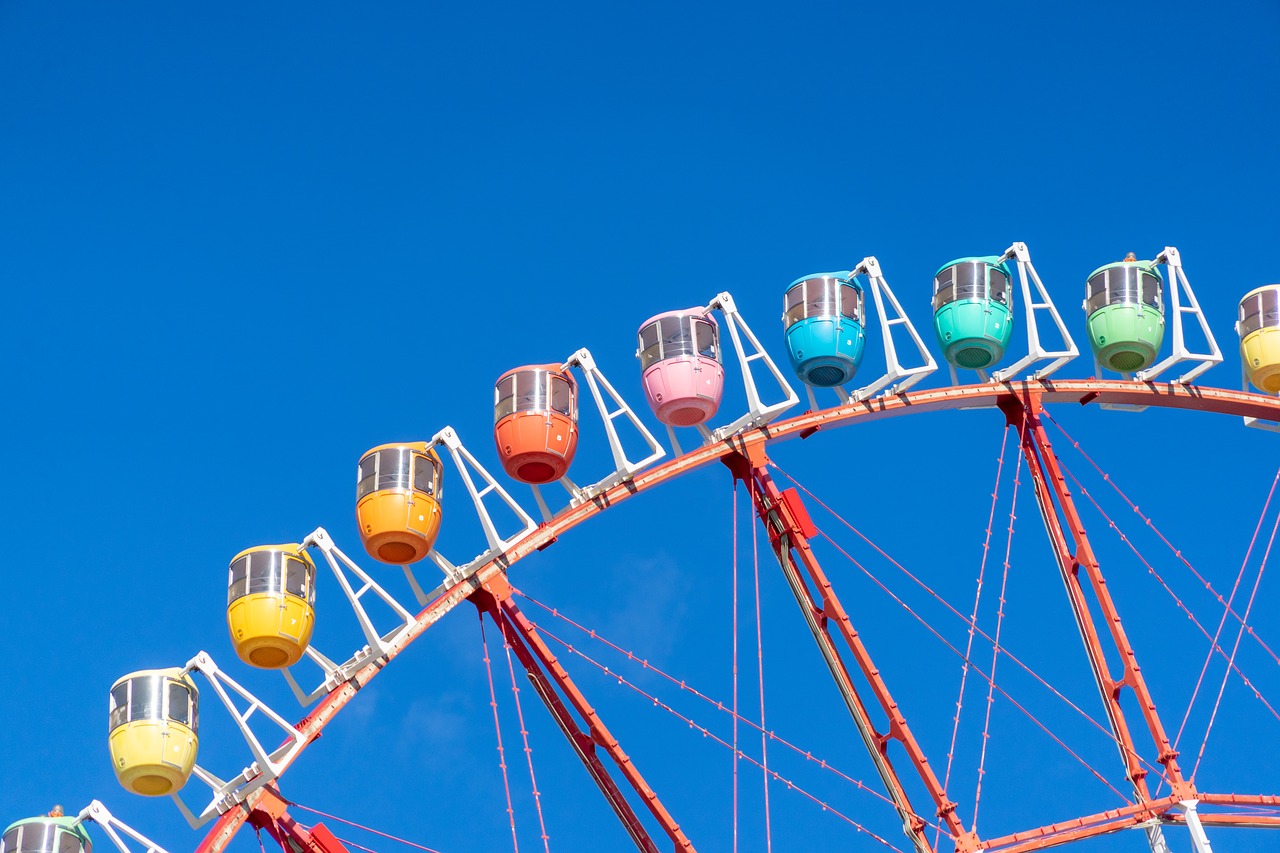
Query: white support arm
{"type": "Point", "coordinates": [1036, 352]}
{"type": "Point", "coordinates": [466, 464]}
{"type": "Point", "coordinates": [266, 766]}
{"type": "Point", "coordinates": [377, 644]}
{"type": "Point", "coordinates": [1199, 839]}
{"type": "Point", "coordinates": [758, 414]}
{"type": "Point", "coordinates": [624, 469]}
{"type": "Point", "coordinates": [1178, 285]}
{"type": "Point", "coordinates": [894, 371]}
{"type": "Point", "coordinates": [113, 827]}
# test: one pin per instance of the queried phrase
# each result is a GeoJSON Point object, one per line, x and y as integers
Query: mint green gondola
{"type": "Point", "coordinates": [46, 835]}
{"type": "Point", "coordinates": [973, 311]}
{"type": "Point", "coordinates": [1124, 303]}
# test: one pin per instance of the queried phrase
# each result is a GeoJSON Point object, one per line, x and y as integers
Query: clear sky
{"type": "Point", "coordinates": [239, 246]}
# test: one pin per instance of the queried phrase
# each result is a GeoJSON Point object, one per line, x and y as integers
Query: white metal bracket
{"type": "Point", "coordinates": [1199, 839]}
{"type": "Point", "coordinates": [377, 644]}
{"type": "Point", "coordinates": [466, 464]}
{"type": "Point", "coordinates": [758, 414]}
{"type": "Point", "coordinates": [1178, 285]}
{"type": "Point", "coordinates": [113, 827]}
{"type": "Point", "coordinates": [266, 766]}
{"type": "Point", "coordinates": [896, 378]}
{"type": "Point", "coordinates": [1036, 352]}
{"type": "Point", "coordinates": [623, 468]}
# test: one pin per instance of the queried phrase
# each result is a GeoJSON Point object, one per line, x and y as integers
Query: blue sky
{"type": "Point", "coordinates": [240, 247]}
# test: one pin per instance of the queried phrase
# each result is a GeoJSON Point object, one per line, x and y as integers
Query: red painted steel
{"type": "Point", "coordinates": [546, 674]}
{"type": "Point", "coordinates": [790, 529]}
{"type": "Point", "coordinates": [271, 814]}
{"type": "Point", "coordinates": [1053, 496]}
{"type": "Point", "coordinates": [1078, 391]}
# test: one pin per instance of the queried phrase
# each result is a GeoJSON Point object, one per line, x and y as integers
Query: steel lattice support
{"type": "Point", "coordinates": [790, 530]}
{"type": "Point", "coordinates": [1053, 497]}
{"type": "Point", "coordinates": [558, 692]}
{"type": "Point", "coordinates": [272, 815]}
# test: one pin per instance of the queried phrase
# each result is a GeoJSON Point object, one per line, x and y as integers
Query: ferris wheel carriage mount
{"type": "Point", "coordinates": [398, 507]}
{"type": "Point", "coordinates": [824, 334]}
{"type": "Point", "coordinates": [536, 422]}
{"type": "Point", "coordinates": [154, 722]}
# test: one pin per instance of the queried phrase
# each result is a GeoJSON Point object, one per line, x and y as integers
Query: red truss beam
{"type": "Point", "coordinates": [547, 675]}
{"type": "Point", "coordinates": [1053, 496]}
{"type": "Point", "coordinates": [271, 814]}
{"type": "Point", "coordinates": [790, 530]}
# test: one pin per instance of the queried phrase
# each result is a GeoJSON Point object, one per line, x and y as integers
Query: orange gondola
{"type": "Point", "coordinates": [535, 419]}
{"type": "Point", "coordinates": [398, 502]}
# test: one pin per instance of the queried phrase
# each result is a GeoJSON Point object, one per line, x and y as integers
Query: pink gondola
{"type": "Point", "coordinates": [681, 369]}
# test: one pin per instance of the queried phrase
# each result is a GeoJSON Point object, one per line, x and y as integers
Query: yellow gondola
{"type": "Point", "coordinates": [271, 604]}
{"type": "Point", "coordinates": [154, 720]}
{"type": "Point", "coordinates": [398, 502]}
{"type": "Point", "coordinates": [1259, 330]}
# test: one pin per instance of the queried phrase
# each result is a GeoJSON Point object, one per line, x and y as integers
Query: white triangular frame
{"type": "Point", "coordinates": [378, 644]}
{"type": "Point", "coordinates": [266, 766]}
{"type": "Point", "coordinates": [1036, 351]}
{"type": "Point", "coordinates": [113, 827]}
{"type": "Point", "coordinates": [758, 414]}
{"type": "Point", "coordinates": [624, 469]}
{"type": "Point", "coordinates": [1178, 282]}
{"type": "Point", "coordinates": [465, 464]}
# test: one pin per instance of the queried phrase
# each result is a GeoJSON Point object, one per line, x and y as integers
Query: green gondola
{"type": "Point", "coordinates": [1124, 303]}
{"type": "Point", "coordinates": [46, 835]}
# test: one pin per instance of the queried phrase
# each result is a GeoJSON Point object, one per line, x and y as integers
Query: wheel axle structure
{"type": "Point", "coordinates": [880, 724]}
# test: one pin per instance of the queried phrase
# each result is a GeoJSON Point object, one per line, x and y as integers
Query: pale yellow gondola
{"type": "Point", "coordinates": [153, 725]}
{"type": "Point", "coordinates": [1259, 330]}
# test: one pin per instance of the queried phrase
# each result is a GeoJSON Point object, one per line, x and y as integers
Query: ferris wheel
{"type": "Point", "coordinates": [985, 308]}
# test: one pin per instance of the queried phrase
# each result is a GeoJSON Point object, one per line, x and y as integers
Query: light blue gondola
{"type": "Point", "coordinates": [822, 316]}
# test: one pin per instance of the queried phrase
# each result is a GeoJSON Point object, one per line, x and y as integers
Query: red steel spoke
{"type": "Point", "coordinates": [973, 619]}
{"type": "Point", "coordinates": [707, 733]}
{"type": "Point", "coordinates": [971, 623]}
{"type": "Point", "coordinates": [546, 674]}
{"type": "Point", "coordinates": [1214, 646]}
{"type": "Point", "coordinates": [789, 531]}
{"type": "Point", "coordinates": [1053, 495]}
{"type": "Point", "coordinates": [984, 676]}
{"type": "Point", "coordinates": [734, 585]}
{"type": "Point", "coordinates": [764, 740]}
{"type": "Point", "coordinates": [528, 752]}
{"type": "Point", "coordinates": [683, 685]}
{"type": "Point", "coordinates": [995, 645]}
{"type": "Point", "coordinates": [497, 727]}
{"type": "Point", "coordinates": [1234, 589]}
{"type": "Point", "coordinates": [364, 828]}
{"type": "Point", "coordinates": [1226, 603]}
{"type": "Point", "coordinates": [1235, 648]}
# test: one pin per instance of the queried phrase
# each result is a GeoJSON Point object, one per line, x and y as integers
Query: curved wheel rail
{"type": "Point", "coordinates": [1079, 391]}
